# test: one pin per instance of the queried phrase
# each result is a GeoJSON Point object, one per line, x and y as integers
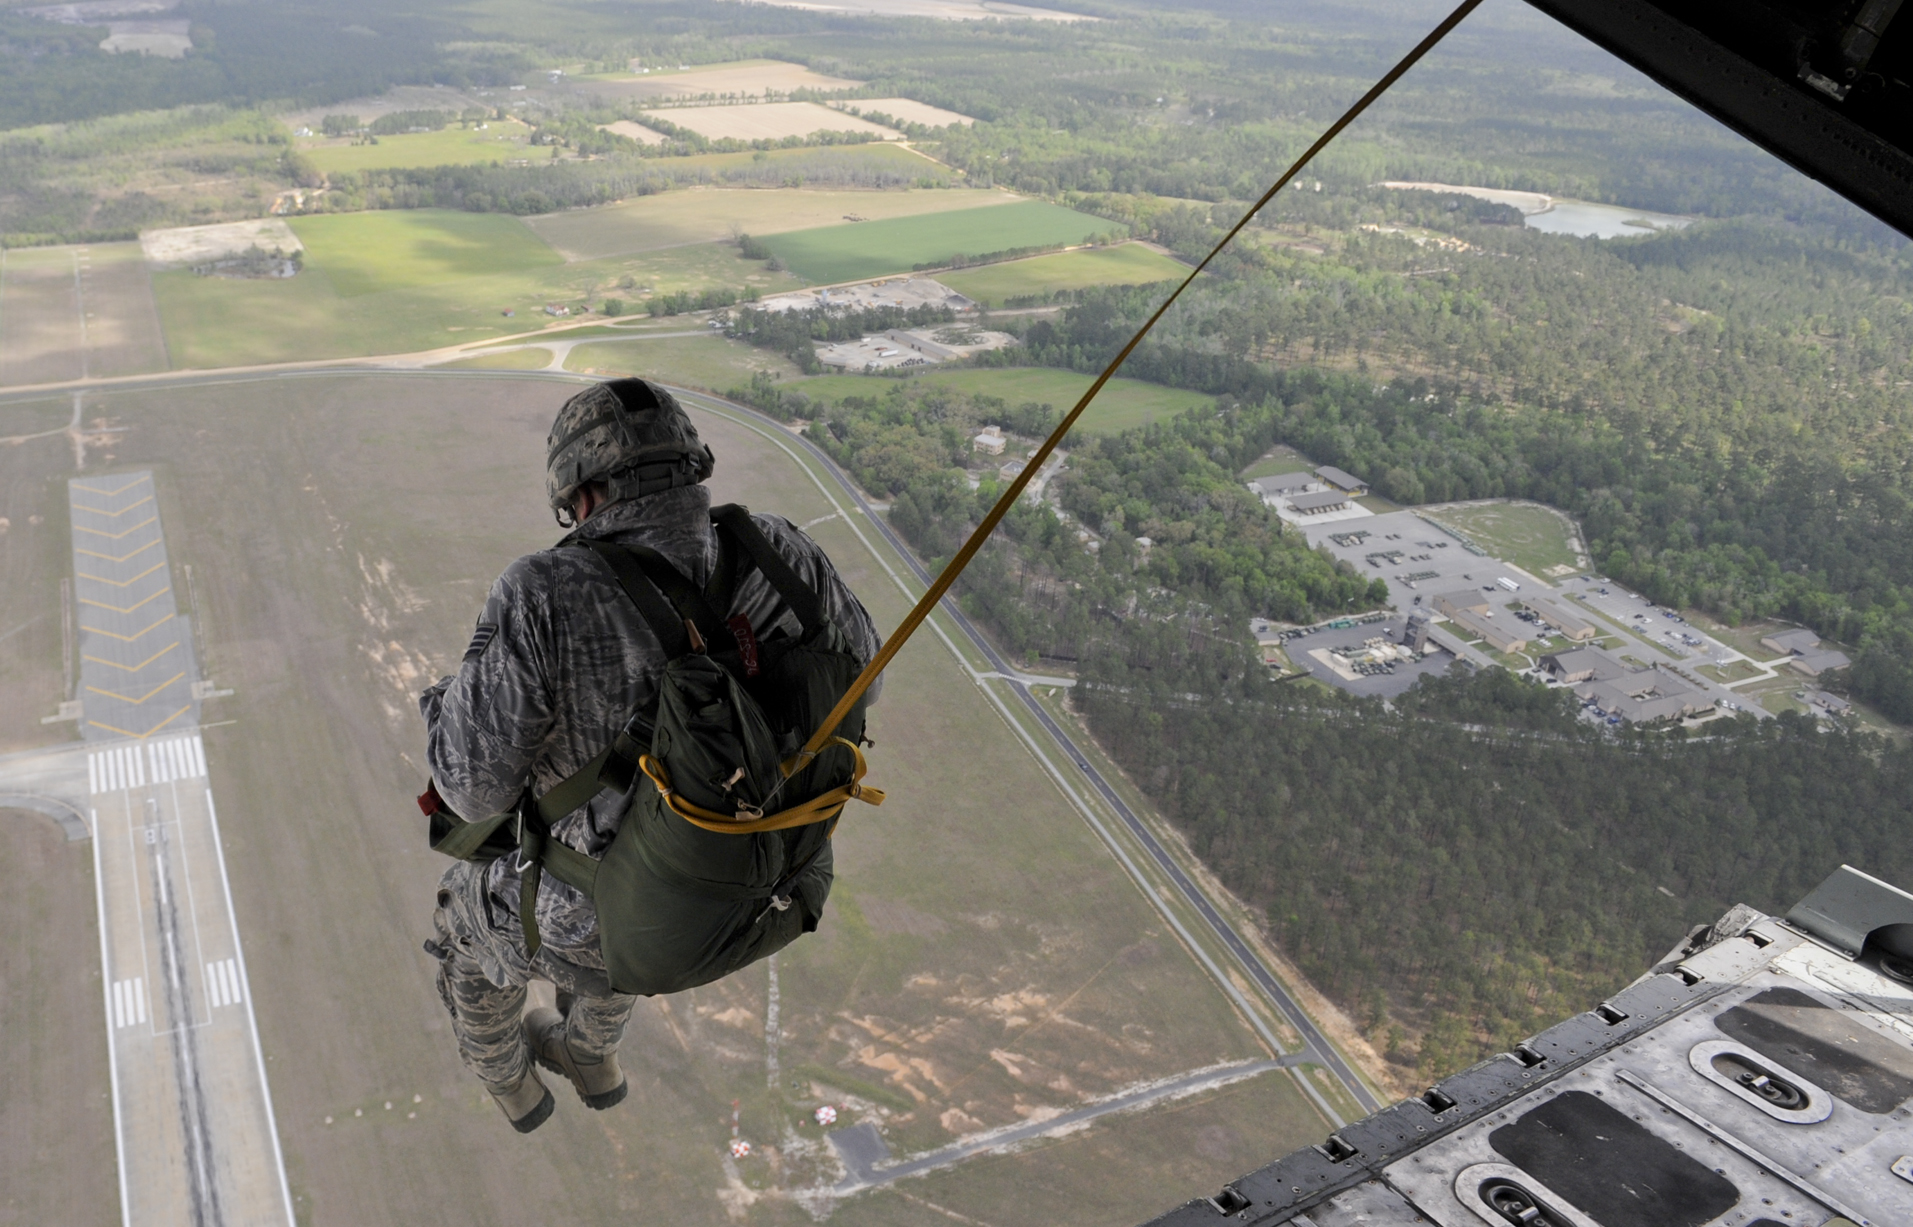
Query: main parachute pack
{"type": "Point", "coordinates": [724, 855]}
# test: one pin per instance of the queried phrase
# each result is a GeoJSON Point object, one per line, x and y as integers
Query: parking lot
{"type": "Point", "coordinates": [1385, 684]}
{"type": "Point", "coordinates": [1419, 559]}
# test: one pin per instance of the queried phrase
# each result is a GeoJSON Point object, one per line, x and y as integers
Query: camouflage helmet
{"type": "Point", "coordinates": [628, 433]}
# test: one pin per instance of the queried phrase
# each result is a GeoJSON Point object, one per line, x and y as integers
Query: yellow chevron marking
{"type": "Point", "coordinates": [130, 608]}
{"type": "Point", "coordinates": [127, 698]}
{"type": "Point", "coordinates": [97, 532]}
{"type": "Point", "coordinates": [134, 668]}
{"type": "Point", "coordinates": [113, 515]}
{"type": "Point", "coordinates": [127, 638]}
{"type": "Point", "coordinates": [109, 493]}
{"type": "Point", "coordinates": [121, 583]}
{"type": "Point", "coordinates": [121, 558]}
{"type": "Point", "coordinates": [149, 732]}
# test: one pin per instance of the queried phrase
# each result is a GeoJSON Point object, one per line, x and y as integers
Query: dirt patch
{"type": "Point", "coordinates": [769, 121]}
{"type": "Point", "coordinates": [751, 79]}
{"type": "Point", "coordinates": [906, 111]}
{"type": "Point", "coordinates": [188, 245]}
{"type": "Point", "coordinates": [637, 132]}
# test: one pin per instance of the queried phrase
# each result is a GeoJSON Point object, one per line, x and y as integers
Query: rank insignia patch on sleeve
{"type": "Point", "coordinates": [480, 639]}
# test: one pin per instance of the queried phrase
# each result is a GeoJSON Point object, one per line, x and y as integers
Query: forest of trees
{"type": "Point", "coordinates": [1475, 861]}
{"type": "Point", "coordinates": [1726, 409]}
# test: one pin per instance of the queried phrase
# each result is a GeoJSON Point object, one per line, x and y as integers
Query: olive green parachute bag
{"type": "Point", "coordinates": [724, 855]}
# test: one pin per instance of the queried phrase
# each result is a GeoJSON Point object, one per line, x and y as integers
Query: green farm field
{"type": "Point", "coordinates": [392, 282]}
{"type": "Point", "coordinates": [712, 362]}
{"type": "Point", "coordinates": [873, 249]}
{"type": "Point", "coordinates": [1123, 264]}
{"type": "Point", "coordinates": [983, 959]}
{"type": "Point", "coordinates": [707, 215]}
{"type": "Point", "coordinates": [1122, 404]}
{"type": "Point", "coordinates": [1534, 538]}
{"type": "Point", "coordinates": [397, 249]}
{"type": "Point", "coordinates": [500, 141]}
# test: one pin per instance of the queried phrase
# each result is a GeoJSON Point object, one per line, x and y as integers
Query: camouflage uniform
{"type": "Point", "coordinates": [559, 660]}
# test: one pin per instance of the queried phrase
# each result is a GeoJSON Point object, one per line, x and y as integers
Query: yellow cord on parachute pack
{"type": "Point", "coordinates": [826, 731]}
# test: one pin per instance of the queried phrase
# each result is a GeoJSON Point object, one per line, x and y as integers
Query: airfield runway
{"type": "Point", "coordinates": [192, 1113]}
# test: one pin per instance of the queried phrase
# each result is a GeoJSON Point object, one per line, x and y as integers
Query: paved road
{"type": "Point", "coordinates": [867, 1160]}
{"type": "Point", "coordinates": [1244, 954]}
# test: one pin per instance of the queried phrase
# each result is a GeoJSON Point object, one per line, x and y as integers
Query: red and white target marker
{"type": "Point", "coordinates": [826, 1115]}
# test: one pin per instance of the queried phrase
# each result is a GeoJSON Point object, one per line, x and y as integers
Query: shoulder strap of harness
{"type": "Point", "coordinates": [734, 519]}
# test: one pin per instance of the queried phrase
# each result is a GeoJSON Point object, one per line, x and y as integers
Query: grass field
{"type": "Point", "coordinates": [983, 959]}
{"type": "Point", "coordinates": [530, 359]}
{"type": "Point", "coordinates": [500, 141]}
{"type": "Point", "coordinates": [706, 215]}
{"type": "Point", "coordinates": [399, 249]}
{"type": "Point", "coordinates": [906, 111]}
{"type": "Point", "coordinates": [1122, 404]}
{"type": "Point", "coordinates": [873, 249]}
{"type": "Point", "coordinates": [712, 362]}
{"type": "Point", "coordinates": [1534, 538]}
{"type": "Point", "coordinates": [1124, 264]}
{"type": "Point", "coordinates": [1284, 459]}
{"type": "Point", "coordinates": [43, 292]}
{"type": "Point", "coordinates": [415, 285]}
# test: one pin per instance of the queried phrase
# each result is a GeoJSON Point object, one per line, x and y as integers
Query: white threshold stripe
{"type": "Point", "coordinates": [121, 767]}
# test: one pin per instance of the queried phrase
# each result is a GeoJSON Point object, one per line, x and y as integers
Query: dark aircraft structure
{"type": "Point", "coordinates": [1762, 1074]}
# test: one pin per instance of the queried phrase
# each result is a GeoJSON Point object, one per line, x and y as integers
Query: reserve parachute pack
{"type": "Point", "coordinates": [724, 855]}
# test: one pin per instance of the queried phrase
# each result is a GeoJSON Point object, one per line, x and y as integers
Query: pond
{"type": "Point", "coordinates": [1601, 221]}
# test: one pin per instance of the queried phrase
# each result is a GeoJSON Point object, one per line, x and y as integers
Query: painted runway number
{"type": "Point", "coordinates": [222, 982]}
{"type": "Point", "coordinates": [129, 1002]}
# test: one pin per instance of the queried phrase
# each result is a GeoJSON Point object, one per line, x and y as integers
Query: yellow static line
{"type": "Point", "coordinates": [127, 638]}
{"type": "Point", "coordinates": [123, 557]}
{"type": "Point", "coordinates": [97, 532]}
{"type": "Point", "coordinates": [149, 732]}
{"type": "Point", "coordinates": [127, 698]}
{"type": "Point", "coordinates": [130, 608]}
{"type": "Point", "coordinates": [121, 583]}
{"type": "Point", "coordinates": [134, 668]}
{"type": "Point", "coordinates": [101, 511]}
{"type": "Point", "coordinates": [109, 493]}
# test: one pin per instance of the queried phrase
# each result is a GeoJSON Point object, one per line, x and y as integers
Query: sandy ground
{"type": "Point", "coordinates": [752, 78]}
{"type": "Point", "coordinates": [771, 121]}
{"type": "Point", "coordinates": [400, 98]}
{"type": "Point", "coordinates": [1527, 202]}
{"type": "Point", "coordinates": [186, 245]}
{"type": "Point", "coordinates": [341, 543]}
{"type": "Point", "coordinates": [906, 110]}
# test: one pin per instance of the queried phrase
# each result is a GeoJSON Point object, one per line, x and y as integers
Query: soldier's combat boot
{"type": "Point", "coordinates": [526, 1103]}
{"type": "Point", "coordinates": [600, 1084]}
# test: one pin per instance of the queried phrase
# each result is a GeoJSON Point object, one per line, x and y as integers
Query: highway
{"type": "Point", "coordinates": [1251, 963]}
